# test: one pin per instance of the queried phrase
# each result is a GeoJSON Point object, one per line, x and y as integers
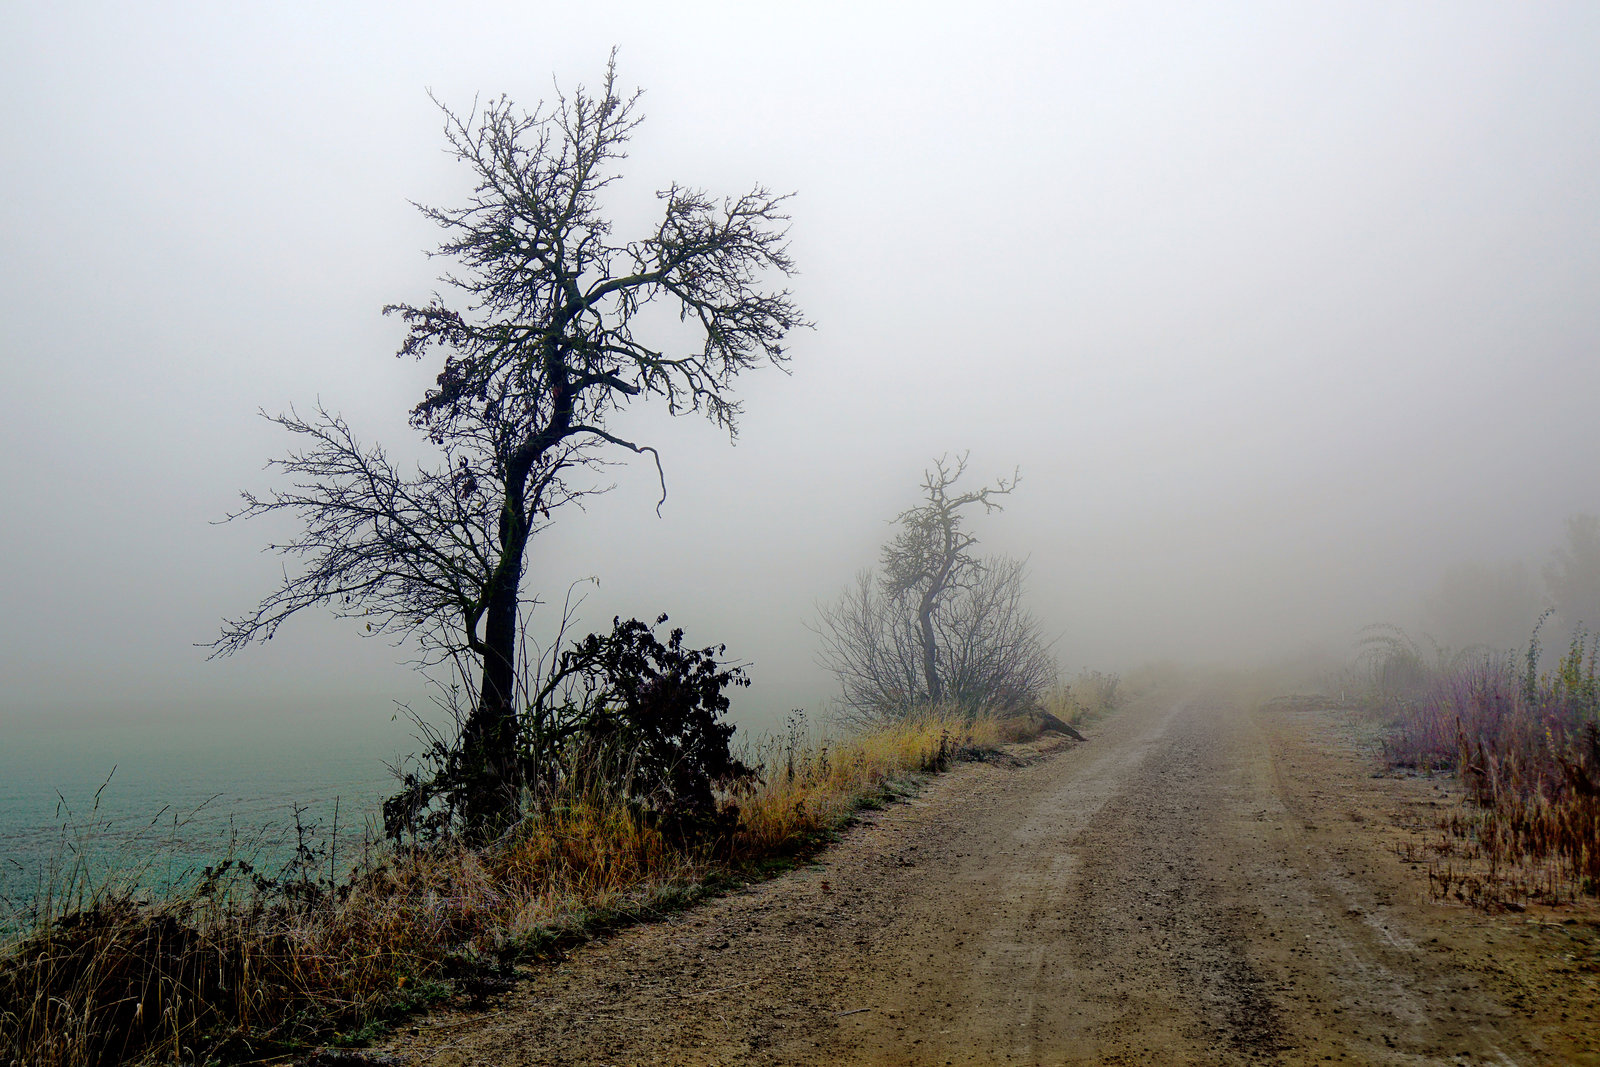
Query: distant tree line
{"type": "Point", "coordinates": [1495, 605]}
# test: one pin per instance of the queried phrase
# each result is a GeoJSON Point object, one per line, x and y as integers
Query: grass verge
{"type": "Point", "coordinates": [1526, 749]}
{"type": "Point", "coordinates": [239, 967]}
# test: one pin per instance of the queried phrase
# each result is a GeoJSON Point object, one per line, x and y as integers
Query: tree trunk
{"type": "Point", "coordinates": [489, 738]}
{"type": "Point", "coordinates": [930, 597]}
{"type": "Point", "coordinates": [930, 662]}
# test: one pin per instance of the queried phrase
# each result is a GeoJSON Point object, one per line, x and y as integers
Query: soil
{"type": "Point", "coordinates": [1204, 880]}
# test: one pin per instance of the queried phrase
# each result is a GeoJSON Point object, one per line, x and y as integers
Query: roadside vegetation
{"type": "Point", "coordinates": [239, 965]}
{"type": "Point", "coordinates": [1524, 742]}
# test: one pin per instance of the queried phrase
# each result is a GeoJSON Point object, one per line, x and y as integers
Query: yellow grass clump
{"type": "Point", "coordinates": [810, 787]}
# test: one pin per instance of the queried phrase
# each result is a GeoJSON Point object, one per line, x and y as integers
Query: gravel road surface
{"type": "Point", "coordinates": [1208, 879]}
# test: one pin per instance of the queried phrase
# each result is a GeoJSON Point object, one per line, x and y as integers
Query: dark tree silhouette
{"type": "Point", "coordinates": [544, 341]}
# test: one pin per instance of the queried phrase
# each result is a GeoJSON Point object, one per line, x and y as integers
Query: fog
{"type": "Point", "coordinates": [1282, 311]}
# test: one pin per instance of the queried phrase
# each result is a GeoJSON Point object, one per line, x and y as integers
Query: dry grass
{"type": "Point", "coordinates": [237, 969]}
{"type": "Point", "coordinates": [1089, 696]}
{"type": "Point", "coordinates": [811, 786]}
{"type": "Point", "coordinates": [1526, 749]}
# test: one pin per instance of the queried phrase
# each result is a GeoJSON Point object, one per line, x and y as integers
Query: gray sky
{"type": "Point", "coordinates": [1281, 308]}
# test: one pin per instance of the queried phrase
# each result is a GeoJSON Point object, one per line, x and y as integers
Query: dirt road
{"type": "Point", "coordinates": [1203, 881]}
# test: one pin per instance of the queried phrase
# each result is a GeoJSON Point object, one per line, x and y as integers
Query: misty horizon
{"type": "Point", "coordinates": [1285, 315]}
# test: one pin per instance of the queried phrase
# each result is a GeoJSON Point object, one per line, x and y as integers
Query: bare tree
{"type": "Point", "coordinates": [545, 343]}
{"type": "Point", "coordinates": [939, 624]}
{"type": "Point", "coordinates": [928, 558]}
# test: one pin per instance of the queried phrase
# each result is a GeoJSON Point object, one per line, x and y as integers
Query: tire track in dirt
{"type": "Point", "coordinates": [1002, 968]}
{"type": "Point", "coordinates": [1154, 904]}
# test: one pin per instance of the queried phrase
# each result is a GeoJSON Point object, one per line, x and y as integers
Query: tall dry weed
{"type": "Point", "coordinates": [1526, 747]}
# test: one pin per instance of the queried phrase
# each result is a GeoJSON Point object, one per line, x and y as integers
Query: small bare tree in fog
{"type": "Point", "coordinates": [547, 342]}
{"type": "Point", "coordinates": [928, 557]}
{"type": "Point", "coordinates": [938, 624]}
